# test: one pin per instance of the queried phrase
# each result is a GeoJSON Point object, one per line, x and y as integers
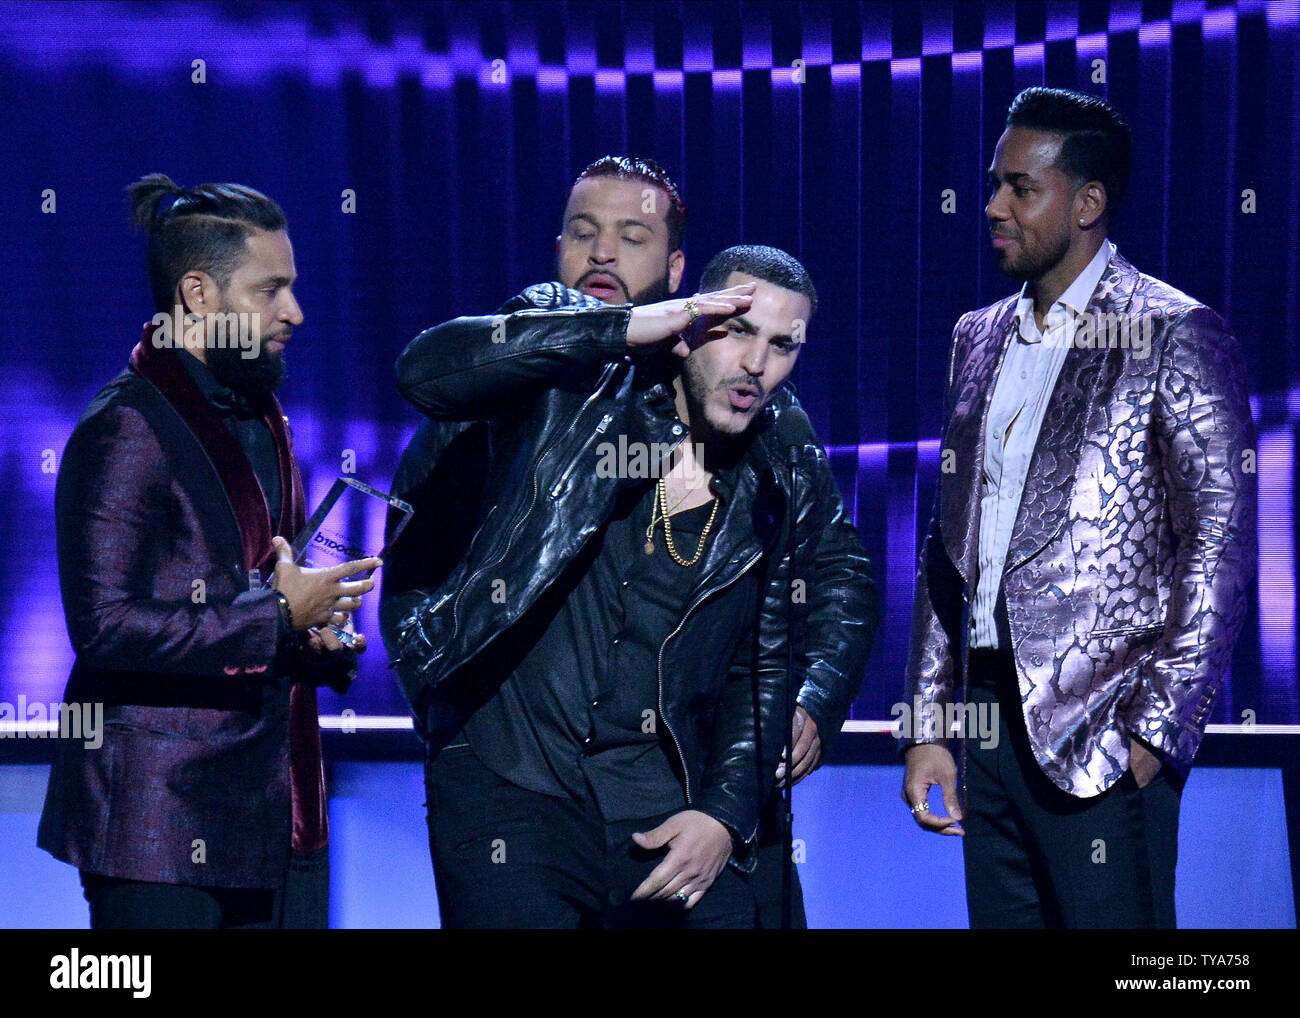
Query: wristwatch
{"type": "Point", "coordinates": [286, 613]}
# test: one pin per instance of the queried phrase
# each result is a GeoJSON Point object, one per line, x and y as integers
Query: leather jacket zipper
{"type": "Point", "coordinates": [455, 608]}
{"type": "Point", "coordinates": [659, 668]}
{"type": "Point", "coordinates": [564, 477]}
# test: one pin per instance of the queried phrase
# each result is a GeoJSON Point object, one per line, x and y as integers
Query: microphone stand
{"type": "Point", "coordinates": [791, 691]}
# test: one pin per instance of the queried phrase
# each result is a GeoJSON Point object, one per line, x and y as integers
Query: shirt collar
{"type": "Point", "coordinates": [1076, 295]}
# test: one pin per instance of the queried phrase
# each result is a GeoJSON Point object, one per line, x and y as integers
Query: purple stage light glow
{"type": "Point", "coordinates": [1277, 563]}
{"type": "Point", "coordinates": [638, 56]}
{"type": "Point", "coordinates": [925, 447]}
{"type": "Point", "coordinates": [816, 50]}
{"type": "Point", "coordinates": [1219, 23]}
{"type": "Point", "coordinates": [467, 59]}
{"type": "Point", "coordinates": [1282, 12]}
{"type": "Point", "coordinates": [436, 72]}
{"type": "Point", "coordinates": [697, 48]}
{"type": "Point", "coordinates": [610, 80]}
{"type": "Point", "coordinates": [877, 48]}
{"type": "Point", "coordinates": [1094, 45]}
{"type": "Point", "coordinates": [665, 81]}
{"type": "Point", "coordinates": [1028, 53]}
{"type": "Point", "coordinates": [905, 67]}
{"type": "Point", "coordinates": [936, 33]}
{"type": "Point", "coordinates": [999, 26]}
{"type": "Point", "coordinates": [140, 42]}
{"type": "Point", "coordinates": [1154, 33]}
{"type": "Point", "coordinates": [1187, 11]}
{"type": "Point", "coordinates": [552, 79]}
{"type": "Point", "coordinates": [756, 51]}
{"type": "Point", "coordinates": [522, 57]}
{"type": "Point", "coordinates": [580, 61]}
{"type": "Point", "coordinates": [1062, 22]}
{"type": "Point", "coordinates": [1125, 16]}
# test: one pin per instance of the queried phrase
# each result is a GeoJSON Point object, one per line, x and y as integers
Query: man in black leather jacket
{"type": "Point", "coordinates": [548, 379]}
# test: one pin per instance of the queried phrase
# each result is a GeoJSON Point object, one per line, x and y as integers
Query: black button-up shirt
{"type": "Point", "coordinates": [248, 428]}
{"type": "Point", "coordinates": [578, 714]}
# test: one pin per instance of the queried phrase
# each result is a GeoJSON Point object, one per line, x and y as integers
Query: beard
{"type": "Point", "coordinates": [725, 443]}
{"type": "Point", "coordinates": [253, 377]}
{"type": "Point", "coordinates": [654, 293]}
{"type": "Point", "coordinates": [1034, 264]}
{"type": "Point", "coordinates": [651, 294]}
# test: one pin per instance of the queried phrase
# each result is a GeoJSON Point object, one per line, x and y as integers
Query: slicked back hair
{"type": "Point", "coordinates": [769, 264]}
{"type": "Point", "coordinates": [1096, 142]}
{"type": "Point", "coordinates": [201, 229]}
{"type": "Point", "coordinates": [649, 172]}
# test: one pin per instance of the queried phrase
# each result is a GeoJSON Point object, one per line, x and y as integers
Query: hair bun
{"type": "Point", "coordinates": [146, 196]}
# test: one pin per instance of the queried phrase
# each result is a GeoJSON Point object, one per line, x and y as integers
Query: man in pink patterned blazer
{"type": "Point", "coordinates": [1086, 568]}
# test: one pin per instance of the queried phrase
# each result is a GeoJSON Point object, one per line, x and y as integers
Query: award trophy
{"type": "Point", "coordinates": [337, 532]}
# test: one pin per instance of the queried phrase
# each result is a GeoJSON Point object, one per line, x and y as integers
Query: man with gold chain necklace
{"type": "Point", "coordinates": [587, 675]}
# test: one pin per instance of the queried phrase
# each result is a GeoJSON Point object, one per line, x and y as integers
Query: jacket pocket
{"type": "Point", "coordinates": [1152, 630]}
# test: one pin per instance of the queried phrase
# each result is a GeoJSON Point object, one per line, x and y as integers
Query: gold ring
{"type": "Point", "coordinates": [692, 310]}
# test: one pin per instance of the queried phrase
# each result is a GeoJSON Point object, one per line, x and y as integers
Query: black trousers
{"type": "Point", "coordinates": [1037, 857]}
{"type": "Point", "coordinates": [301, 903]}
{"type": "Point", "coordinates": [508, 858]}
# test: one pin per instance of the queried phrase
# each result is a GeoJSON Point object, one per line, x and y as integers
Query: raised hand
{"type": "Point", "coordinates": [665, 322]}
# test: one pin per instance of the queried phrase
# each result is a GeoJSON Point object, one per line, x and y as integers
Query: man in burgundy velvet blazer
{"type": "Point", "coordinates": [208, 789]}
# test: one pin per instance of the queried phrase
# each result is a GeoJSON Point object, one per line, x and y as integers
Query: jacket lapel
{"type": "Point", "coordinates": [293, 501]}
{"type": "Point", "coordinates": [984, 345]}
{"type": "Point", "coordinates": [247, 500]}
{"type": "Point", "coordinates": [1049, 484]}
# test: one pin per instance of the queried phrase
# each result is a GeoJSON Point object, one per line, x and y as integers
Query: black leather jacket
{"type": "Point", "coordinates": [548, 379]}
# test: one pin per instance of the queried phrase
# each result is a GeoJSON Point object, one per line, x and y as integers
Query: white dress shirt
{"type": "Point", "coordinates": [1020, 398]}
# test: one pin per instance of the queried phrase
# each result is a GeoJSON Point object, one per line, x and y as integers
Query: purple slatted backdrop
{"type": "Point", "coordinates": [832, 130]}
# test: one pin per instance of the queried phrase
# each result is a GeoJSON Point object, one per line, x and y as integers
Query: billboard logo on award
{"type": "Point", "coordinates": [338, 546]}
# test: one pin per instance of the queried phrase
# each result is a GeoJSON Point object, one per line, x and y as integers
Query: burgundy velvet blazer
{"type": "Point", "coordinates": [210, 767]}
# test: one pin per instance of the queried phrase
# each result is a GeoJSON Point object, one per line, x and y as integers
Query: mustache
{"type": "Point", "coordinates": [746, 380]}
{"type": "Point", "coordinates": [604, 272]}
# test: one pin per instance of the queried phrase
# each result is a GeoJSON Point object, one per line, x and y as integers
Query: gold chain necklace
{"type": "Point", "coordinates": [661, 504]}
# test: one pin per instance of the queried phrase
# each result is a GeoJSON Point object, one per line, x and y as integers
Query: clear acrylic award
{"type": "Point", "coordinates": [349, 524]}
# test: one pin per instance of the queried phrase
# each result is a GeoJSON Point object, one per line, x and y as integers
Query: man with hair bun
{"type": "Point", "coordinates": [177, 494]}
